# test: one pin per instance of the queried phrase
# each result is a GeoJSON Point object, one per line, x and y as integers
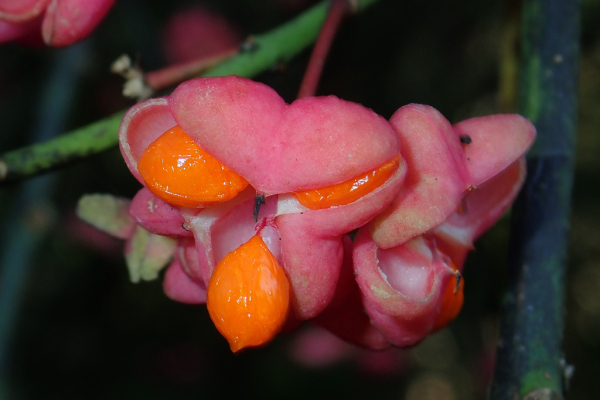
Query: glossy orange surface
{"type": "Point", "coordinates": [348, 191]}
{"type": "Point", "coordinates": [452, 301]}
{"type": "Point", "coordinates": [248, 295]}
{"type": "Point", "coordinates": [181, 173]}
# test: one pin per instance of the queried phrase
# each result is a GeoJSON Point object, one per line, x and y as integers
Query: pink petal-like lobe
{"type": "Point", "coordinates": [157, 216]}
{"type": "Point", "coordinates": [21, 10]}
{"type": "Point", "coordinates": [279, 148]}
{"type": "Point", "coordinates": [68, 21]}
{"type": "Point", "coordinates": [495, 142]}
{"type": "Point", "coordinates": [345, 315]}
{"type": "Point", "coordinates": [180, 287]}
{"type": "Point", "coordinates": [401, 287]}
{"type": "Point", "coordinates": [142, 125]}
{"type": "Point", "coordinates": [436, 178]}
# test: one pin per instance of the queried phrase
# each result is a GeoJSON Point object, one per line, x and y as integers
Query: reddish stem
{"type": "Point", "coordinates": [338, 10]}
{"type": "Point", "coordinates": [180, 72]}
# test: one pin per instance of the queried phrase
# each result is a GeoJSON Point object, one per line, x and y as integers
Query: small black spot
{"type": "Point", "coordinates": [259, 200]}
{"type": "Point", "coordinates": [458, 278]}
{"type": "Point", "coordinates": [466, 139]}
{"type": "Point", "coordinates": [250, 45]}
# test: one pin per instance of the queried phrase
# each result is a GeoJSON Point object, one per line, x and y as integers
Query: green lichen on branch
{"type": "Point", "coordinates": [78, 144]}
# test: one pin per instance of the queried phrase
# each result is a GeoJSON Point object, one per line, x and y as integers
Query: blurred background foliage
{"type": "Point", "coordinates": [82, 330]}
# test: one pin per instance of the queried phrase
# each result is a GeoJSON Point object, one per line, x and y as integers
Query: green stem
{"type": "Point", "coordinates": [264, 51]}
{"type": "Point", "coordinates": [175, 74]}
{"type": "Point", "coordinates": [530, 360]}
{"type": "Point", "coordinates": [75, 145]}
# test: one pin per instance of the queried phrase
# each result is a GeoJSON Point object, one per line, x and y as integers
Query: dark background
{"type": "Point", "coordinates": [82, 330]}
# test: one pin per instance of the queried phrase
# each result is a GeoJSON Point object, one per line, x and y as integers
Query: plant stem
{"type": "Point", "coordinates": [278, 45]}
{"type": "Point", "coordinates": [530, 361]}
{"type": "Point", "coordinates": [264, 51]}
{"type": "Point", "coordinates": [140, 86]}
{"type": "Point", "coordinates": [338, 10]}
{"type": "Point", "coordinates": [80, 143]}
{"type": "Point", "coordinates": [175, 74]}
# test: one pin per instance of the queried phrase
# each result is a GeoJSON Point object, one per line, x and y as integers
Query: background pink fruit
{"type": "Point", "coordinates": [197, 32]}
{"type": "Point", "coordinates": [62, 22]}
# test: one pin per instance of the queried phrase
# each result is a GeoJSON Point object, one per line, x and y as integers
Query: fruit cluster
{"type": "Point", "coordinates": [261, 196]}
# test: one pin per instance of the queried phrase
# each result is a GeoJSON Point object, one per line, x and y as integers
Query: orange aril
{"type": "Point", "coordinates": [452, 300]}
{"type": "Point", "coordinates": [248, 295]}
{"type": "Point", "coordinates": [181, 173]}
{"type": "Point", "coordinates": [348, 191]}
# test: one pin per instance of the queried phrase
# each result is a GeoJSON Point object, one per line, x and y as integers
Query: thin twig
{"type": "Point", "coordinates": [141, 85]}
{"type": "Point", "coordinates": [175, 74]}
{"type": "Point", "coordinates": [338, 10]}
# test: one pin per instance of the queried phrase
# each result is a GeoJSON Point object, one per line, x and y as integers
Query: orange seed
{"type": "Point", "coordinates": [181, 173]}
{"type": "Point", "coordinates": [348, 191]}
{"type": "Point", "coordinates": [452, 301]}
{"type": "Point", "coordinates": [248, 295]}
